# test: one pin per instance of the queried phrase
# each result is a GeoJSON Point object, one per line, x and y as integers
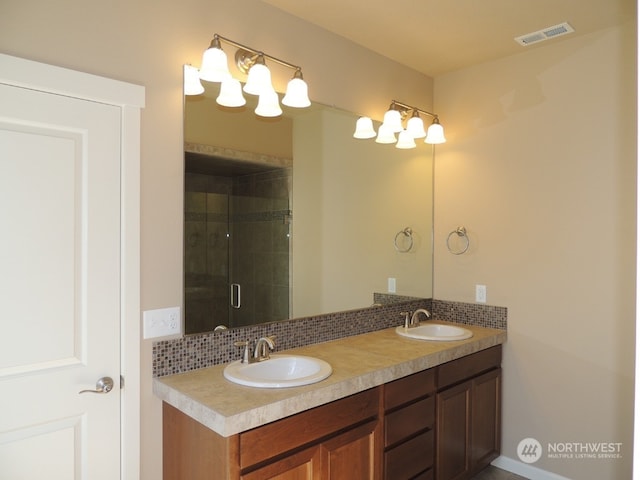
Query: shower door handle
{"type": "Point", "coordinates": [235, 295]}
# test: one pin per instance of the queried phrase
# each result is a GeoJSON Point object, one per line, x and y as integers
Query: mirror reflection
{"type": "Point", "coordinates": [292, 217]}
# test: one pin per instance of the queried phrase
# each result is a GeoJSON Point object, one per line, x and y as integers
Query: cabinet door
{"type": "Point", "coordinates": [353, 454]}
{"type": "Point", "coordinates": [453, 408]}
{"type": "Point", "coordinates": [304, 465]}
{"type": "Point", "coordinates": [485, 418]}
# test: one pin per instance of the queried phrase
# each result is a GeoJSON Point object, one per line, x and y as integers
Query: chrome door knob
{"type": "Point", "coordinates": [103, 385]}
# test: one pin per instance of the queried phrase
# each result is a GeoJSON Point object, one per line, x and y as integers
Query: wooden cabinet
{"type": "Point", "coordinates": [468, 414]}
{"type": "Point", "coordinates": [409, 420]}
{"type": "Point", "coordinates": [442, 423]}
{"type": "Point", "coordinates": [334, 441]}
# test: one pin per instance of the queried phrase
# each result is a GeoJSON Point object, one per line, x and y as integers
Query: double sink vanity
{"type": "Point", "coordinates": [413, 402]}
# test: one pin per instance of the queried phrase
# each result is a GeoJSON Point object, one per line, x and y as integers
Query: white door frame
{"type": "Point", "coordinates": [130, 98]}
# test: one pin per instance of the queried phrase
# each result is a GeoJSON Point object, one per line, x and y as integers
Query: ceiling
{"type": "Point", "coordinates": [439, 36]}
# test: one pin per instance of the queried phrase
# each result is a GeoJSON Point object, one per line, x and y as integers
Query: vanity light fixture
{"type": "Point", "coordinates": [231, 93]}
{"type": "Point", "coordinates": [385, 134]}
{"type": "Point", "coordinates": [406, 140]}
{"type": "Point", "coordinates": [392, 124]}
{"type": "Point", "coordinates": [258, 75]}
{"type": "Point", "coordinates": [297, 94]}
{"type": "Point", "coordinates": [393, 119]}
{"type": "Point", "coordinates": [364, 128]}
{"type": "Point", "coordinates": [435, 133]}
{"type": "Point", "coordinates": [415, 126]}
{"type": "Point", "coordinates": [192, 85]}
{"type": "Point", "coordinates": [215, 68]}
{"type": "Point", "coordinates": [268, 105]}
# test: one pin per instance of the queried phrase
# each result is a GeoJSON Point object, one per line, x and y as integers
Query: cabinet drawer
{"type": "Point", "coordinates": [409, 420]}
{"type": "Point", "coordinates": [410, 458]}
{"type": "Point", "coordinates": [409, 388]}
{"type": "Point", "coordinates": [279, 437]}
{"type": "Point", "coordinates": [469, 366]}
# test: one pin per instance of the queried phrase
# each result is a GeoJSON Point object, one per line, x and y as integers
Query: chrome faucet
{"type": "Point", "coordinates": [263, 346]}
{"type": "Point", "coordinates": [414, 322]}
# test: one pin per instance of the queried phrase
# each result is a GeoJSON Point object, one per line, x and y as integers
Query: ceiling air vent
{"type": "Point", "coordinates": [544, 34]}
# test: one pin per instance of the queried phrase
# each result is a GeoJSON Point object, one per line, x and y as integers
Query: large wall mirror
{"type": "Point", "coordinates": [292, 217]}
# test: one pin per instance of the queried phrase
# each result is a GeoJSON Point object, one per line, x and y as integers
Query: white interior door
{"type": "Point", "coordinates": [59, 286]}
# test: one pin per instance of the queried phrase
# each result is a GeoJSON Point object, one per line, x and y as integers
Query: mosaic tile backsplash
{"type": "Point", "coordinates": [204, 350]}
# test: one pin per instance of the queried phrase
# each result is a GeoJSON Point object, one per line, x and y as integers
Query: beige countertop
{"type": "Point", "coordinates": [359, 363]}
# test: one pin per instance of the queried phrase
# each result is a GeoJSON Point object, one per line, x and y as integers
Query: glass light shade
{"type": "Point", "coordinates": [214, 67]}
{"type": "Point", "coordinates": [405, 140]}
{"type": "Point", "coordinates": [258, 80]}
{"type": "Point", "coordinates": [192, 85]}
{"type": "Point", "coordinates": [415, 126]}
{"type": "Point", "coordinates": [385, 135]}
{"type": "Point", "coordinates": [230, 94]}
{"type": "Point", "coordinates": [393, 121]}
{"type": "Point", "coordinates": [364, 128]}
{"type": "Point", "coordinates": [297, 94]}
{"type": "Point", "coordinates": [435, 133]}
{"type": "Point", "coordinates": [268, 104]}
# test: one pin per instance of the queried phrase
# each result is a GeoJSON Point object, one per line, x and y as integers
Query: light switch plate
{"type": "Point", "coordinates": [161, 322]}
{"type": "Point", "coordinates": [391, 285]}
{"type": "Point", "coordinates": [481, 293]}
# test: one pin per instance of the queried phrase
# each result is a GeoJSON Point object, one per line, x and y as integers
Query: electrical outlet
{"type": "Point", "coordinates": [161, 322]}
{"type": "Point", "coordinates": [481, 293]}
{"type": "Point", "coordinates": [391, 285]}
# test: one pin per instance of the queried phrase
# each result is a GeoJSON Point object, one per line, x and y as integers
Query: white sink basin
{"type": "Point", "coordinates": [434, 331]}
{"type": "Point", "coordinates": [279, 371]}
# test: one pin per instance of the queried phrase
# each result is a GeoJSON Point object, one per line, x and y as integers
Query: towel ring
{"type": "Point", "coordinates": [460, 232]}
{"type": "Point", "coordinates": [407, 232]}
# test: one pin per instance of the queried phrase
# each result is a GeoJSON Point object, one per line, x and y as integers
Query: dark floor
{"type": "Point", "coordinates": [493, 473]}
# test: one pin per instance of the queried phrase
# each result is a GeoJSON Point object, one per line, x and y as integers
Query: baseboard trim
{"type": "Point", "coordinates": [524, 469]}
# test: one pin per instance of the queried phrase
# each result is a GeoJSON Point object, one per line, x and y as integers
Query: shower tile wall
{"type": "Point", "coordinates": [205, 224]}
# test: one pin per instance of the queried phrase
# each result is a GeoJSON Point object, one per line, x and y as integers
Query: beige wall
{"type": "Point", "coordinates": [147, 43]}
{"type": "Point", "coordinates": [540, 167]}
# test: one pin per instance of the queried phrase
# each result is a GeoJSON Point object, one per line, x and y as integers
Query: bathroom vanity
{"type": "Point", "coordinates": [394, 408]}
